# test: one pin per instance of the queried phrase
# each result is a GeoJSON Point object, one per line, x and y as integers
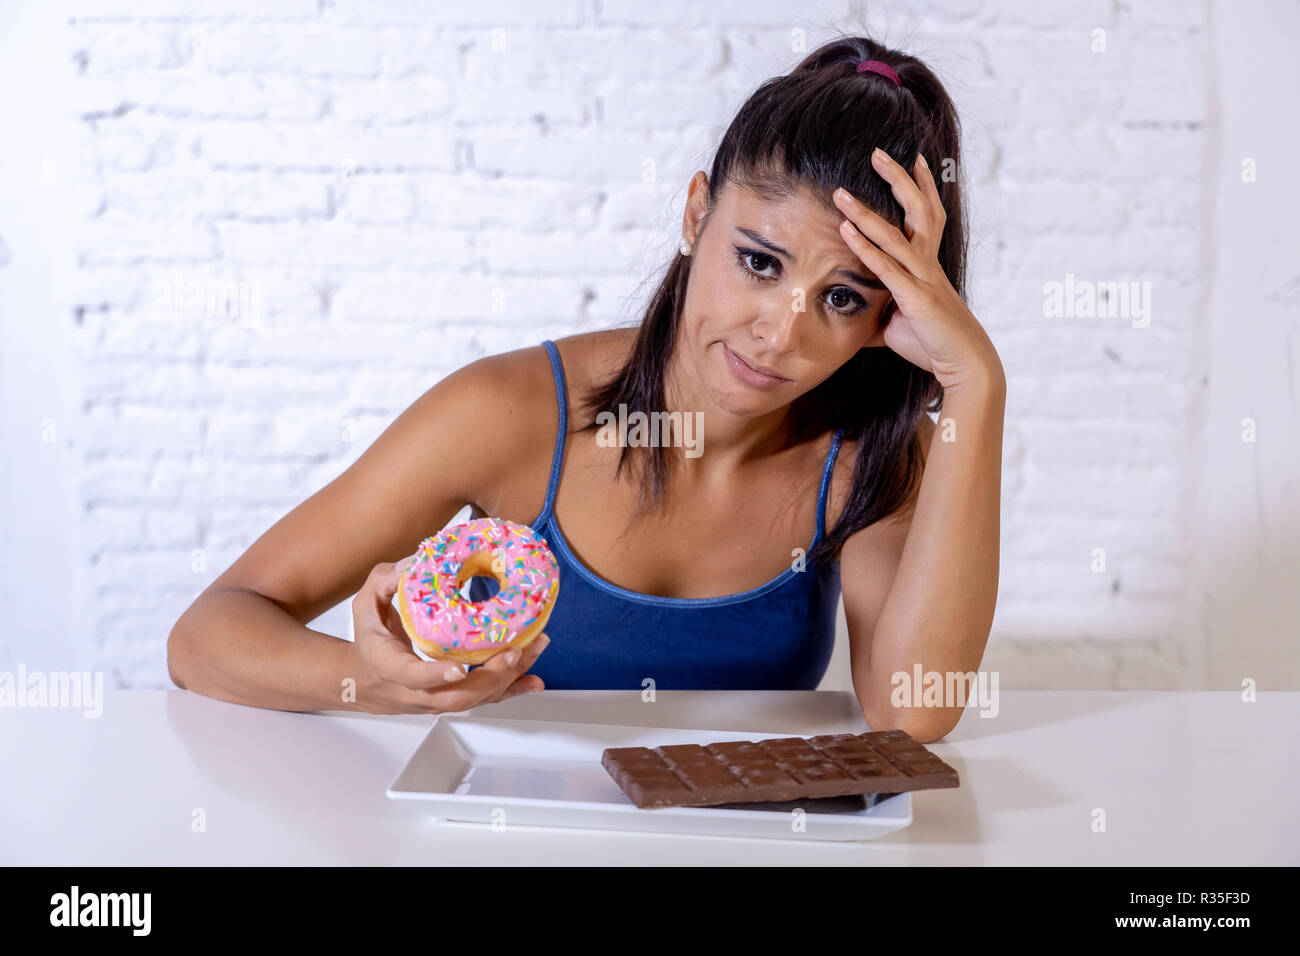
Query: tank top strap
{"type": "Point", "coordinates": [822, 493]}
{"type": "Point", "coordinates": [557, 460]}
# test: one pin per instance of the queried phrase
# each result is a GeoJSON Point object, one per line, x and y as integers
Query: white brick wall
{"type": "Point", "coordinates": [400, 187]}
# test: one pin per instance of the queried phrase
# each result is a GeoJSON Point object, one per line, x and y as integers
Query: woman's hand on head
{"type": "Point", "coordinates": [930, 326]}
{"type": "Point", "coordinates": [392, 679]}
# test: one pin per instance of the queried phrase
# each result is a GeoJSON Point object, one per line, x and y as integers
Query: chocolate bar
{"type": "Point", "coordinates": [779, 768]}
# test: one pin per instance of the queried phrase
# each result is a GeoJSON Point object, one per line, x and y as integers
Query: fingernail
{"type": "Point", "coordinates": [512, 657]}
{"type": "Point", "coordinates": [879, 153]}
{"type": "Point", "coordinates": [921, 156]}
{"type": "Point", "coordinates": [841, 193]}
{"type": "Point", "coordinates": [543, 642]}
{"type": "Point", "coordinates": [454, 675]}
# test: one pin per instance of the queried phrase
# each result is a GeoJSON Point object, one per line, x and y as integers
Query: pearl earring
{"type": "Point", "coordinates": [685, 247]}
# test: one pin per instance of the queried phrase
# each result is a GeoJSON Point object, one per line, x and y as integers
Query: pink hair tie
{"type": "Point", "coordinates": [875, 66]}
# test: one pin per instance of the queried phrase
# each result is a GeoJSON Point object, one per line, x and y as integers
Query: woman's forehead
{"type": "Point", "coordinates": [798, 217]}
{"type": "Point", "coordinates": [792, 204]}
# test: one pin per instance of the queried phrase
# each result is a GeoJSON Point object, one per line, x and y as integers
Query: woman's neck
{"type": "Point", "coordinates": [726, 439]}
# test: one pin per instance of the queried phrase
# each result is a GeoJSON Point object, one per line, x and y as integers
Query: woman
{"type": "Point", "coordinates": [807, 330]}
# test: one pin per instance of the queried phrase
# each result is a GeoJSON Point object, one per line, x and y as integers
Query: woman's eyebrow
{"type": "Point", "coordinates": [871, 282]}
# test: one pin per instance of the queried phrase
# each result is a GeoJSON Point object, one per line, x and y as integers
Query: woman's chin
{"type": "Point", "coordinates": [738, 400]}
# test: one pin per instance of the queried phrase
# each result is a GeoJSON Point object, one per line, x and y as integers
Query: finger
{"type": "Point", "coordinates": [481, 686]}
{"type": "Point", "coordinates": [900, 283]}
{"type": "Point", "coordinates": [883, 233]}
{"type": "Point", "coordinates": [386, 578]}
{"type": "Point", "coordinates": [938, 217]}
{"type": "Point", "coordinates": [394, 660]}
{"type": "Point", "coordinates": [499, 672]}
{"type": "Point", "coordinates": [925, 181]}
{"type": "Point", "coordinates": [367, 607]}
{"type": "Point", "coordinates": [907, 192]}
{"type": "Point", "coordinates": [380, 615]}
{"type": "Point", "coordinates": [392, 619]}
{"type": "Point", "coordinates": [385, 591]}
{"type": "Point", "coordinates": [528, 684]}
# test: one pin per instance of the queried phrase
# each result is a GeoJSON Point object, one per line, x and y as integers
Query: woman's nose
{"type": "Point", "coordinates": [778, 325]}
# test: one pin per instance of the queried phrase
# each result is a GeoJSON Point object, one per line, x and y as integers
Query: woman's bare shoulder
{"type": "Point", "coordinates": [517, 387]}
{"type": "Point", "coordinates": [519, 381]}
{"type": "Point", "coordinates": [591, 358]}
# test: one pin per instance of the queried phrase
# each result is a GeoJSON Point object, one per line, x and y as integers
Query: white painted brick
{"type": "Point", "coordinates": [523, 204]}
{"type": "Point", "coordinates": [514, 251]}
{"type": "Point", "coordinates": [143, 430]}
{"type": "Point", "coordinates": [502, 298]}
{"type": "Point", "coordinates": [410, 99]}
{"type": "Point", "coordinates": [509, 14]}
{"type": "Point", "coordinates": [342, 247]}
{"type": "Point", "coordinates": [231, 434]}
{"type": "Point", "coordinates": [1106, 490]}
{"type": "Point", "coordinates": [114, 478]}
{"type": "Point", "coordinates": [1172, 14]}
{"type": "Point", "coordinates": [316, 48]}
{"type": "Point", "coordinates": [1048, 105]}
{"type": "Point", "coordinates": [1045, 208]}
{"type": "Point", "coordinates": [125, 148]}
{"type": "Point", "coordinates": [259, 386]}
{"type": "Point", "coordinates": [218, 195]}
{"type": "Point", "coordinates": [1033, 17]}
{"type": "Point", "coordinates": [518, 104]}
{"type": "Point", "coordinates": [605, 159]}
{"type": "Point", "coordinates": [377, 199]}
{"type": "Point", "coordinates": [223, 96]}
{"type": "Point", "coordinates": [331, 147]}
{"type": "Point", "coordinates": [117, 287]}
{"type": "Point", "coordinates": [1099, 440]}
{"type": "Point", "coordinates": [113, 239]}
{"type": "Point", "coordinates": [757, 14]}
{"type": "Point", "coordinates": [632, 110]}
{"type": "Point", "coordinates": [1164, 101]}
{"type": "Point", "coordinates": [948, 11]}
{"type": "Point", "coordinates": [106, 526]}
{"type": "Point", "coordinates": [112, 49]}
{"type": "Point", "coordinates": [308, 344]}
{"type": "Point", "coordinates": [187, 10]}
{"type": "Point", "coordinates": [178, 384]}
{"type": "Point", "coordinates": [576, 59]}
{"type": "Point", "coordinates": [127, 565]}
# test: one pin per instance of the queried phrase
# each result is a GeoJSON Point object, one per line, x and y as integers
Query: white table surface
{"type": "Point", "coordinates": [1185, 778]}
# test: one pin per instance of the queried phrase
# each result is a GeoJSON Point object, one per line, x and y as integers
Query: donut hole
{"type": "Point", "coordinates": [485, 589]}
{"type": "Point", "coordinates": [479, 567]}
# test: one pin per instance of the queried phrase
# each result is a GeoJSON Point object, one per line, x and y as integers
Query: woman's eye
{"type": "Point", "coordinates": [852, 299]}
{"type": "Point", "coordinates": [745, 256]}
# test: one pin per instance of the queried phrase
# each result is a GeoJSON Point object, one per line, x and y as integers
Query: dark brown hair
{"type": "Point", "coordinates": [814, 129]}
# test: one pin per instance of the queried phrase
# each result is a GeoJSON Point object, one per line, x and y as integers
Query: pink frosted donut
{"type": "Point", "coordinates": [446, 625]}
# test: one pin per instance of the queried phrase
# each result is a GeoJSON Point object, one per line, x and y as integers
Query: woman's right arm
{"type": "Point", "coordinates": [245, 639]}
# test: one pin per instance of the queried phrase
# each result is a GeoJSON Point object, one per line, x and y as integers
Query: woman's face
{"type": "Point", "coordinates": [772, 284]}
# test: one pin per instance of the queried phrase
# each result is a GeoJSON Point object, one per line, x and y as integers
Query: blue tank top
{"type": "Point", "coordinates": [777, 636]}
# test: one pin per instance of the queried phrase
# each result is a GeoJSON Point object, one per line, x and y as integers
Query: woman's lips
{"type": "Point", "coordinates": [749, 375]}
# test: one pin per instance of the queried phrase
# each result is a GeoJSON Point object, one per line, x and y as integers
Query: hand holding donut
{"type": "Point", "coordinates": [393, 679]}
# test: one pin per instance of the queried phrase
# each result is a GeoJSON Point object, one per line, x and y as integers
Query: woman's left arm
{"type": "Point", "coordinates": [937, 611]}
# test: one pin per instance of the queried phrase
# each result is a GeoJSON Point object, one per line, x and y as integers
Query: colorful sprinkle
{"type": "Point", "coordinates": [517, 553]}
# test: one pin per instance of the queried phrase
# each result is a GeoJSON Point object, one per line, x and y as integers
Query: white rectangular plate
{"type": "Point", "coordinates": [547, 773]}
